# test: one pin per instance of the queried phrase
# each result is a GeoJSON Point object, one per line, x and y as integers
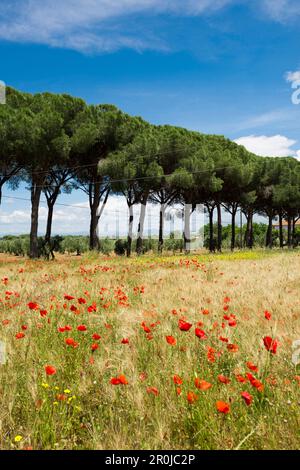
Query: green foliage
{"type": "Point", "coordinates": [17, 246]}
{"type": "Point", "coordinates": [73, 244]}
{"type": "Point", "coordinates": [120, 247]}
{"type": "Point", "coordinates": [57, 143]}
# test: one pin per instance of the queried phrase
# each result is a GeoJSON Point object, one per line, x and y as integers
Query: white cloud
{"type": "Point", "coordinates": [104, 25]}
{"type": "Point", "coordinates": [293, 76]}
{"type": "Point", "coordinates": [272, 146]}
{"type": "Point", "coordinates": [91, 25]}
{"type": "Point", "coordinates": [271, 117]}
{"type": "Point", "coordinates": [281, 10]}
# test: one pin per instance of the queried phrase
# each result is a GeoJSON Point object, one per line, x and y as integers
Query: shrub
{"type": "Point", "coordinates": [120, 247]}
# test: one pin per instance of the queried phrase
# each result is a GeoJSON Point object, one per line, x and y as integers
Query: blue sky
{"type": "Point", "coordinates": [227, 69]}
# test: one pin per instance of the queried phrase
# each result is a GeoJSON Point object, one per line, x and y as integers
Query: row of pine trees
{"type": "Point", "coordinates": [58, 143]}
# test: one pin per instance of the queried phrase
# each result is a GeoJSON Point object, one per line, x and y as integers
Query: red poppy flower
{"type": "Point", "coordinates": [125, 341]}
{"type": "Point", "coordinates": [94, 346]}
{"type": "Point", "coordinates": [20, 335]}
{"type": "Point", "coordinates": [143, 376]}
{"type": "Point", "coordinates": [247, 398]}
{"type": "Point", "coordinates": [81, 301]}
{"type": "Point", "coordinates": [205, 311]}
{"type": "Point", "coordinates": [153, 390]}
{"type": "Point", "coordinates": [224, 340]}
{"type": "Point", "coordinates": [50, 370]}
{"type": "Point", "coordinates": [192, 397]}
{"type": "Point", "coordinates": [123, 379]}
{"type": "Point", "coordinates": [81, 328]}
{"type": "Point", "coordinates": [68, 297]}
{"type": "Point", "coordinates": [145, 327]}
{"type": "Point", "coordinates": [223, 407]}
{"type": "Point", "coordinates": [71, 342]}
{"type": "Point", "coordinates": [270, 344]}
{"type": "Point", "coordinates": [115, 381]}
{"type": "Point", "coordinates": [33, 305]}
{"type": "Point", "coordinates": [92, 308]}
{"type": "Point", "coordinates": [61, 397]}
{"type": "Point", "coordinates": [171, 340]}
{"type": "Point", "coordinates": [241, 379]}
{"type": "Point", "coordinates": [267, 315]}
{"type": "Point", "coordinates": [177, 380]}
{"type": "Point", "coordinates": [255, 382]}
{"type": "Point", "coordinates": [232, 347]}
{"type": "Point", "coordinates": [202, 384]}
{"type": "Point", "coordinates": [120, 380]}
{"type": "Point", "coordinates": [211, 354]}
{"type": "Point", "coordinates": [184, 326]}
{"type": "Point", "coordinates": [200, 333]}
{"type": "Point", "coordinates": [223, 379]}
{"type": "Point", "coordinates": [252, 366]}
{"type": "Point", "coordinates": [96, 337]}
{"type": "Point", "coordinates": [43, 313]}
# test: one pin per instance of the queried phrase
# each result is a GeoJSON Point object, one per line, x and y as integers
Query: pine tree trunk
{"type": "Point", "coordinates": [94, 240]}
{"type": "Point", "coordinates": [248, 239]}
{"type": "Point", "coordinates": [294, 232]}
{"type": "Point", "coordinates": [289, 232]}
{"type": "Point", "coordinates": [35, 202]}
{"type": "Point", "coordinates": [219, 238]}
{"type": "Point", "coordinates": [246, 236]}
{"type": "Point", "coordinates": [211, 230]}
{"type": "Point", "coordinates": [251, 236]}
{"type": "Point", "coordinates": [269, 237]}
{"type": "Point", "coordinates": [49, 223]}
{"type": "Point", "coordinates": [94, 207]}
{"type": "Point", "coordinates": [187, 228]}
{"type": "Point", "coordinates": [49, 230]}
{"type": "Point", "coordinates": [233, 215]}
{"type": "Point", "coordinates": [280, 231]}
{"type": "Point", "coordinates": [130, 232]}
{"type": "Point", "coordinates": [139, 242]}
{"type": "Point", "coordinates": [161, 228]}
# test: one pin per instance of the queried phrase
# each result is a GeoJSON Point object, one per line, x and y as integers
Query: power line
{"type": "Point", "coordinates": [44, 202]}
{"type": "Point", "coordinates": [140, 178]}
{"type": "Point", "coordinates": [55, 171]}
{"type": "Point", "coordinates": [111, 211]}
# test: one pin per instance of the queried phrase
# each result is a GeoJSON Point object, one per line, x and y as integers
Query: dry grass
{"type": "Point", "coordinates": [79, 408]}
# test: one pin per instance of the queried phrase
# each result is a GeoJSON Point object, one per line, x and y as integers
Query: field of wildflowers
{"type": "Point", "coordinates": [150, 353]}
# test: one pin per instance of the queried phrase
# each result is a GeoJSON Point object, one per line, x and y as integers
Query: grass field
{"type": "Point", "coordinates": [150, 353]}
